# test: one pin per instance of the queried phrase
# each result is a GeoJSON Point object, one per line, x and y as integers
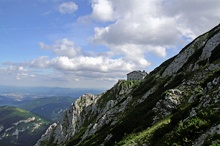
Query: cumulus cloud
{"type": "Point", "coordinates": [18, 72]}
{"type": "Point", "coordinates": [67, 8]}
{"type": "Point", "coordinates": [102, 10]}
{"type": "Point", "coordinates": [83, 63]}
{"type": "Point", "coordinates": [12, 68]}
{"type": "Point", "coordinates": [138, 29]}
{"type": "Point", "coordinates": [86, 65]}
{"type": "Point", "coordinates": [152, 26]}
{"type": "Point", "coordinates": [62, 47]}
{"type": "Point", "coordinates": [194, 16]}
{"type": "Point", "coordinates": [40, 62]}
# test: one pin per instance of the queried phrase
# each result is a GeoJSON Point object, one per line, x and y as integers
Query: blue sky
{"type": "Point", "coordinates": [93, 43]}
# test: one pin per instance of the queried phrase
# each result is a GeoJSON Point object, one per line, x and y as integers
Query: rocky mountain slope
{"type": "Point", "coordinates": [19, 127]}
{"type": "Point", "coordinates": [176, 104]}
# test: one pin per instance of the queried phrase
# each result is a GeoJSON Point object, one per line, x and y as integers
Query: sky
{"type": "Point", "coordinates": [94, 43]}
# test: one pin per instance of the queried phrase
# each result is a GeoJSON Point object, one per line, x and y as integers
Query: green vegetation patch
{"type": "Point", "coordinates": [142, 137]}
{"type": "Point", "coordinates": [20, 127]}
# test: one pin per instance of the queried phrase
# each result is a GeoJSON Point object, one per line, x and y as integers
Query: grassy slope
{"type": "Point", "coordinates": [10, 116]}
{"type": "Point", "coordinates": [176, 132]}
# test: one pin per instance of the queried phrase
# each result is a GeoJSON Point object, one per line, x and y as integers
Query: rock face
{"type": "Point", "coordinates": [91, 111]}
{"type": "Point", "coordinates": [72, 120]}
{"type": "Point", "coordinates": [177, 103]}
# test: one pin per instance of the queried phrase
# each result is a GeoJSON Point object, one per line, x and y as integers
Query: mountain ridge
{"type": "Point", "coordinates": [177, 103]}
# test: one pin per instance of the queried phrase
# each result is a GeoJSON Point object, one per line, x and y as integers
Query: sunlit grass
{"type": "Point", "coordinates": [144, 136]}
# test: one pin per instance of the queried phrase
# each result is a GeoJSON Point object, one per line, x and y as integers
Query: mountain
{"type": "Point", "coordinates": [50, 108]}
{"type": "Point", "coordinates": [47, 102]}
{"type": "Point", "coordinates": [19, 127]}
{"type": "Point", "coordinates": [14, 95]}
{"type": "Point", "coordinates": [178, 103]}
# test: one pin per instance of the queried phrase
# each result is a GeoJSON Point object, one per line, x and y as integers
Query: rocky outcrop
{"type": "Point", "coordinates": [171, 101]}
{"type": "Point", "coordinates": [89, 111]}
{"type": "Point", "coordinates": [184, 56]}
{"type": "Point", "coordinates": [177, 103]}
{"type": "Point", "coordinates": [72, 120]}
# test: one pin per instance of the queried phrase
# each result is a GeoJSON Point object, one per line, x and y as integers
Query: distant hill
{"type": "Point", "coordinates": [50, 108]}
{"type": "Point", "coordinates": [47, 102]}
{"type": "Point", "coordinates": [17, 94]}
{"type": "Point", "coordinates": [19, 127]}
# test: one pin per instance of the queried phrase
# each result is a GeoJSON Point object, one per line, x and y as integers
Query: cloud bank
{"type": "Point", "coordinates": [69, 57]}
{"type": "Point", "coordinates": [153, 25]}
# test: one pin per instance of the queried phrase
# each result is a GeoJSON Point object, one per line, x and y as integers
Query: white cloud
{"type": "Point", "coordinates": [41, 62]}
{"type": "Point", "coordinates": [152, 26]}
{"type": "Point", "coordinates": [73, 58]}
{"type": "Point", "coordinates": [16, 68]}
{"type": "Point", "coordinates": [67, 8]}
{"type": "Point", "coordinates": [195, 16]}
{"type": "Point", "coordinates": [83, 63]}
{"type": "Point", "coordinates": [17, 72]}
{"type": "Point", "coordinates": [102, 10]}
{"type": "Point", "coordinates": [63, 47]}
{"type": "Point", "coordinates": [138, 29]}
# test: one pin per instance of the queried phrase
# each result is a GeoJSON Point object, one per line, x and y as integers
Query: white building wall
{"type": "Point", "coordinates": [135, 76]}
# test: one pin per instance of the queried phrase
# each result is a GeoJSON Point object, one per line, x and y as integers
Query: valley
{"type": "Point", "coordinates": [25, 113]}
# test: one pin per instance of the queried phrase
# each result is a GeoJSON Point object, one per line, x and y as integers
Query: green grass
{"type": "Point", "coordinates": [8, 112]}
{"type": "Point", "coordinates": [144, 136]}
{"type": "Point", "coordinates": [11, 115]}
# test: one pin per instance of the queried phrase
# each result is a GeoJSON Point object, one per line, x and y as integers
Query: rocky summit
{"type": "Point", "coordinates": [178, 103]}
